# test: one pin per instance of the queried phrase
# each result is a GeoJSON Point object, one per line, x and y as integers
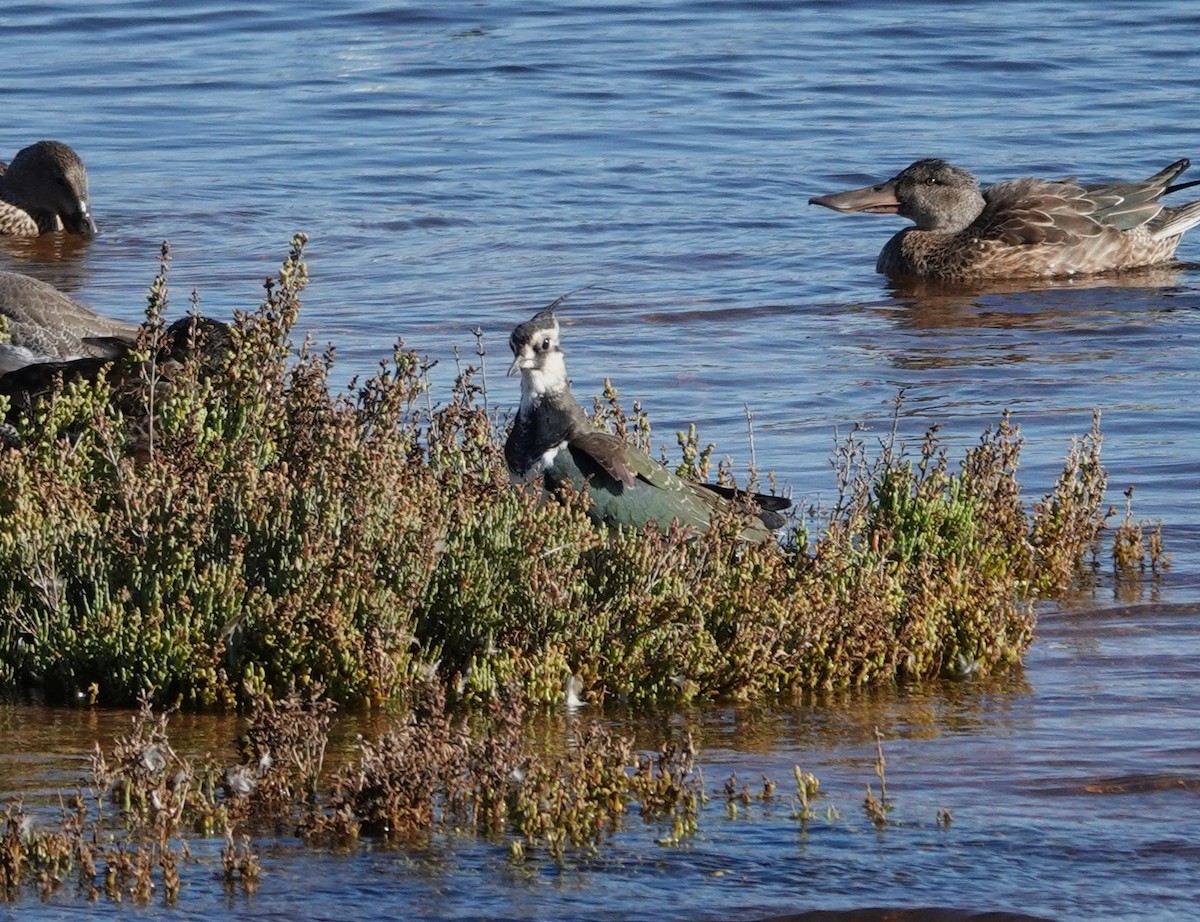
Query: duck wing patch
{"type": "Point", "coordinates": [1036, 211]}
{"type": "Point", "coordinates": [1033, 211]}
{"type": "Point", "coordinates": [1126, 205]}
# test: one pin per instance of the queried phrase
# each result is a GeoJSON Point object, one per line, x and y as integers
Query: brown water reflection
{"type": "Point", "coordinates": [45, 750]}
{"type": "Point", "coordinates": [836, 720]}
{"type": "Point", "coordinates": [938, 303]}
{"type": "Point", "coordinates": [924, 914]}
{"type": "Point", "coordinates": [1063, 320]}
{"type": "Point", "coordinates": [56, 259]}
{"type": "Point", "coordinates": [41, 747]}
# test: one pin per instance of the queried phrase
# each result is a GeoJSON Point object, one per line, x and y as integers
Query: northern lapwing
{"type": "Point", "coordinates": [553, 437]}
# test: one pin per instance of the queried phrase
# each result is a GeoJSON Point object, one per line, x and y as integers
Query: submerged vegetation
{"type": "Point", "coordinates": [146, 814]}
{"type": "Point", "coordinates": [231, 529]}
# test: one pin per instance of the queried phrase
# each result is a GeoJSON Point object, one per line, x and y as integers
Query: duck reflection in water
{"type": "Point", "coordinates": [923, 303]}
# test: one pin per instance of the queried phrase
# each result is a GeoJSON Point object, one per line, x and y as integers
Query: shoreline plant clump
{"type": "Point", "coordinates": [226, 530]}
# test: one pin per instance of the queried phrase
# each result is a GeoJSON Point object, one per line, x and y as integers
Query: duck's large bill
{"type": "Point", "coordinates": [879, 199]}
{"type": "Point", "coordinates": [80, 222]}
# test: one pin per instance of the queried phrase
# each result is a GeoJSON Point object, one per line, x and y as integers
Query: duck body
{"type": "Point", "coordinates": [553, 438]}
{"type": "Point", "coordinates": [44, 190]}
{"type": "Point", "coordinates": [1021, 228]}
{"type": "Point", "coordinates": [43, 325]}
{"type": "Point", "coordinates": [28, 384]}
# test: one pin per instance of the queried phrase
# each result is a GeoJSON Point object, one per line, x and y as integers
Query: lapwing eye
{"type": "Point", "coordinates": [546, 344]}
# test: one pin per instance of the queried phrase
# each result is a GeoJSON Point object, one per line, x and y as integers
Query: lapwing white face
{"type": "Point", "coordinates": [538, 356]}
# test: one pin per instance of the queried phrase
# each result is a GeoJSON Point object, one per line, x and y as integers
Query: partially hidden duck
{"type": "Point", "coordinates": [43, 190]}
{"type": "Point", "coordinates": [38, 323]}
{"type": "Point", "coordinates": [47, 339]}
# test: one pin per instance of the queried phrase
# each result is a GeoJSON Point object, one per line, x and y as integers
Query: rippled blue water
{"type": "Point", "coordinates": [460, 164]}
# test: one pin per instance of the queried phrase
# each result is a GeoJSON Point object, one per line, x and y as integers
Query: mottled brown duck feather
{"type": "Point", "coordinates": [41, 324]}
{"type": "Point", "coordinates": [131, 382]}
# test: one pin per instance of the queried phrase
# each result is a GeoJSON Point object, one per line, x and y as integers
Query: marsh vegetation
{"type": "Point", "coordinates": [238, 529]}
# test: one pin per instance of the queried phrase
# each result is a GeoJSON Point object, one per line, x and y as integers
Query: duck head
{"type": "Point", "coordinates": [933, 194]}
{"type": "Point", "coordinates": [52, 184]}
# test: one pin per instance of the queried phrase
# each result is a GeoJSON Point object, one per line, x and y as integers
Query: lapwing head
{"type": "Point", "coordinates": [537, 354]}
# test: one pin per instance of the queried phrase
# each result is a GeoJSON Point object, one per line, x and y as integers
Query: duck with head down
{"type": "Point", "coordinates": [553, 437]}
{"type": "Point", "coordinates": [43, 190]}
{"type": "Point", "coordinates": [1022, 228]}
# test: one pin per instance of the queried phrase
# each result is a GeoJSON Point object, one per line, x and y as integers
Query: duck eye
{"type": "Point", "coordinates": [931, 181]}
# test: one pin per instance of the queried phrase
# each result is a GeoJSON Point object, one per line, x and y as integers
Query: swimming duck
{"type": "Point", "coordinates": [554, 438]}
{"type": "Point", "coordinates": [45, 189]}
{"type": "Point", "coordinates": [1022, 228]}
{"type": "Point", "coordinates": [38, 323]}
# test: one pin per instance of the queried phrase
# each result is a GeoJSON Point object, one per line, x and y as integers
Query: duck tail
{"type": "Point", "coordinates": [1163, 177]}
{"type": "Point", "coordinates": [1171, 222]}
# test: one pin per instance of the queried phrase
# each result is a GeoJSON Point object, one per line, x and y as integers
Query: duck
{"type": "Point", "coordinates": [1021, 228]}
{"type": "Point", "coordinates": [25, 386]}
{"type": "Point", "coordinates": [44, 190]}
{"type": "Point", "coordinates": [210, 339]}
{"type": "Point", "coordinates": [38, 323]}
{"type": "Point", "coordinates": [553, 438]}
{"type": "Point", "coordinates": [46, 336]}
